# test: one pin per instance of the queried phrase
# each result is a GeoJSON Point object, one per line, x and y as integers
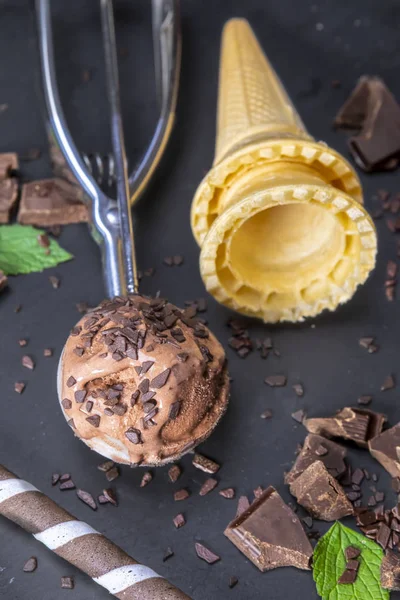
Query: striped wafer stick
{"type": "Point", "coordinates": [80, 544]}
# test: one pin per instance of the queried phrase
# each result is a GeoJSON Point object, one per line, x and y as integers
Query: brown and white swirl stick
{"type": "Point", "coordinates": [80, 544]}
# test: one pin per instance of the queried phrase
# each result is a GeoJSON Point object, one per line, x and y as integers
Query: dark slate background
{"type": "Point", "coordinates": [310, 44]}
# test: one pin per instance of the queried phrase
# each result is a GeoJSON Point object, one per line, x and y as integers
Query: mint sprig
{"type": "Point", "coordinates": [21, 253]}
{"type": "Point", "coordinates": [329, 562]}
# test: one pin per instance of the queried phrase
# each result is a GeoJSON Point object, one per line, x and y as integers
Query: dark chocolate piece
{"type": "Point", "coordinates": [320, 494]}
{"type": "Point", "coordinates": [112, 473]}
{"type": "Point", "coordinates": [355, 424]}
{"type": "Point", "coordinates": [28, 362]}
{"type": "Point", "coordinates": [106, 466]}
{"type": "Point", "coordinates": [87, 498]}
{"type": "Point", "coordinates": [208, 486]}
{"type": "Point", "coordinates": [390, 571]}
{"type": "Point", "coordinates": [205, 464]}
{"type": "Point", "coordinates": [51, 202]}
{"type": "Point", "coordinates": [19, 387]}
{"type": "Point", "coordinates": [181, 495]}
{"type": "Point", "coordinates": [8, 198]}
{"type": "Point", "coordinates": [174, 473]}
{"type": "Point", "coordinates": [67, 583]}
{"type": "Point", "coordinates": [313, 449]}
{"type": "Point", "coordinates": [228, 493]}
{"type": "Point", "coordinates": [348, 576]}
{"type": "Point", "coordinates": [276, 380]}
{"type": "Point", "coordinates": [243, 505]}
{"type": "Point", "coordinates": [384, 448]}
{"type": "Point", "coordinates": [270, 534]}
{"type": "Point", "coordinates": [179, 521]}
{"type": "Point", "coordinates": [147, 477]}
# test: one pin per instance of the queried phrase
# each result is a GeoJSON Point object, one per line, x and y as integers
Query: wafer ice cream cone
{"type": "Point", "coordinates": [279, 217]}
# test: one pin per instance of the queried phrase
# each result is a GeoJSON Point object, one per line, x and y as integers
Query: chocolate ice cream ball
{"type": "Point", "coordinates": [141, 381]}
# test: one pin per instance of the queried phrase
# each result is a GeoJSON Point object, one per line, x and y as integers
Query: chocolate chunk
{"type": "Point", "coordinates": [146, 366]}
{"type": "Point", "coordinates": [161, 379]}
{"type": "Point", "coordinates": [112, 473]}
{"type": "Point", "coordinates": [135, 397]}
{"type": "Point", "coordinates": [384, 449]}
{"type": "Point", "coordinates": [206, 554]}
{"type": "Point", "coordinates": [144, 386]}
{"type": "Point", "coordinates": [51, 202]}
{"type": "Point", "coordinates": [80, 396]}
{"type": "Point", "coordinates": [382, 536]}
{"type": "Point", "coordinates": [208, 486]}
{"type": "Point", "coordinates": [67, 485]}
{"type": "Point", "coordinates": [147, 477]}
{"type": "Point", "coordinates": [320, 494]}
{"type": "Point", "coordinates": [352, 565]}
{"type": "Point", "coordinates": [67, 583]}
{"type": "Point", "coordinates": [66, 403]}
{"type": "Point", "coordinates": [28, 362]}
{"type": "Point", "coordinates": [71, 381]}
{"type": "Point", "coordinates": [19, 387]}
{"type": "Point", "coordinates": [205, 464]}
{"type": "Point", "coordinates": [298, 388]}
{"type": "Point", "coordinates": [174, 410]}
{"type": "Point", "coordinates": [179, 521]}
{"type": "Point", "coordinates": [355, 424]}
{"type": "Point", "coordinates": [106, 466]}
{"type": "Point", "coordinates": [181, 495]}
{"type": "Point", "coordinates": [348, 576]}
{"type": "Point", "coordinates": [30, 565]}
{"type": "Point", "coordinates": [270, 534]}
{"type": "Point", "coordinates": [228, 493]}
{"type": "Point", "coordinates": [388, 383]}
{"type": "Point", "coordinates": [65, 477]}
{"type": "Point", "coordinates": [148, 396]}
{"type": "Point", "coordinates": [276, 380]}
{"type": "Point", "coordinates": [111, 496]}
{"type": "Point", "coordinates": [134, 435]}
{"type": "Point", "coordinates": [352, 552]}
{"type": "Point", "coordinates": [55, 478]}
{"type": "Point", "coordinates": [47, 352]}
{"type": "Point", "coordinates": [390, 571]}
{"type": "Point", "coordinates": [86, 498]}
{"type": "Point", "coordinates": [94, 420]}
{"type": "Point", "coordinates": [243, 505]}
{"type": "Point", "coordinates": [333, 458]}
{"type": "Point", "coordinates": [174, 473]}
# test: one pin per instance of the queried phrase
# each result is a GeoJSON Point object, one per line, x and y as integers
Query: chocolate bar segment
{"type": "Point", "coordinates": [51, 202]}
{"type": "Point", "coordinates": [390, 571]}
{"type": "Point", "coordinates": [385, 448]}
{"type": "Point", "coordinates": [316, 448]}
{"type": "Point", "coordinates": [355, 424]}
{"type": "Point", "coordinates": [270, 534]}
{"type": "Point", "coordinates": [8, 185]}
{"type": "Point", "coordinates": [320, 494]}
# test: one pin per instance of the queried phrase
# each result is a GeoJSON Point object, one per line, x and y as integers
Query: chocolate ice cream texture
{"type": "Point", "coordinates": [141, 381]}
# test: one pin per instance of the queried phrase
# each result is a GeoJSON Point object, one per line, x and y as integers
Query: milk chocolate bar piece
{"type": "Point", "coordinates": [270, 534]}
{"type": "Point", "coordinates": [320, 494]}
{"type": "Point", "coordinates": [315, 448]}
{"type": "Point", "coordinates": [8, 185]}
{"type": "Point", "coordinates": [390, 571]}
{"type": "Point", "coordinates": [51, 202]}
{"type": "Point", "coordinates": [355, 424]}
{"type": "Point", "coordinates": [385, 448]}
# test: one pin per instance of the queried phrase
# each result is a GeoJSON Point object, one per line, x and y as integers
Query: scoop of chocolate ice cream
{"type": "Point", "coordinates": [142, 382]}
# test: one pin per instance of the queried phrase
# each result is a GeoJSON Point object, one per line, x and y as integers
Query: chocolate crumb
{"type": "Point", "coordinates": [232, 582]}
{"type": "Point", "coordinates": [55, 281]}
{"type": "Point", "coordinates": [267, 414]}
{"type": "Point", "coordinates": [106, 466]}
{"type": "Point", "coordinates": [47, 352]}
{"type": "Point", "coordinates": [67, 485]}
{"type": "Point", "coordinates": [23, 342]}
{"type": "Point", "coordinates": [181, 495]}
{"type": "Point", "coordinates": [168, 554]}
{"type": "Point", "coordinates": [134, 435]}
{"type": "Point", "coordinates": [364, 400]}
{"type": "Point", "coordinates": [228, 493]}
{"type": "Point", "coordinates": [243, 504]}
{"type": "Point", "coordinates": [28, 362]}
{"type": "Point", "coordinates": [298, 388]}
{"type": "Point", "coordinates": [299, 415]}
{"type": "Point", "coordinates": [388, 383]}
{"type": "Point", "coordinates": [174, 473]}
{"type": "Point", "coordinates": [67, 583]}
{"type": "Point", "coordinates": [19, 387]}
{"type": "Point", "coordinates": [30, 565]}
{"type": "Point", "coordinates": [55, 478]}
{"type": "Point", "coordinates": [147, 477]}
{"type": "Point", "coordinates": [112, 473]}
{"type": "Point", "coordinates": [179, 521]}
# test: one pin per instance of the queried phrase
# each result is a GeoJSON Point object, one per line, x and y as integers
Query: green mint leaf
{"type": "Point", "coordinates": [329, 562]}
{"type": "Point", "coordinates": [20, 251]}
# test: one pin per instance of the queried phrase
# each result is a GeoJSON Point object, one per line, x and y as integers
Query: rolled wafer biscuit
{"type": "Point", "coordinates": [80, 544]}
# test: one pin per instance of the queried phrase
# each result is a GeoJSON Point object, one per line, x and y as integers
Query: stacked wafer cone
{"type": "Point", "coordinates": [279, 217]}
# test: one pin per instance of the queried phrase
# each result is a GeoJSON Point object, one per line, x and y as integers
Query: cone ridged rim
{"type": "Point", "coordinates": [326, 197]}
{"type": "Point", "coordinates": [314, 154]}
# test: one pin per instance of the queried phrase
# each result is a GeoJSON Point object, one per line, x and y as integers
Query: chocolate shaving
{"type": "Point", "coordinates": [86, 498]}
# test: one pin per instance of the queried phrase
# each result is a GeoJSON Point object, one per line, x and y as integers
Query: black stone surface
{"type": "Point", "coordinates": [310, 44]}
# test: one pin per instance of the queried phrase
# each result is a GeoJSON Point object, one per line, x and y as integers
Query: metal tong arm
{"type": "Point", "coordinates": [167, 45]}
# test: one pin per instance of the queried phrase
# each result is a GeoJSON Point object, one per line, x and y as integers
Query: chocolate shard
{"type": "Point", "coordinates": [205, 464]}
{"type": "Point", "coordinates": [208, 486]}
{"type": "Point", "coordinates": [270, 534]}
{"type": "Point", "coordinates": [348, 576]}
{"type": "Point", "coordinates": [354, 110]}
{"type": "Point", "coordinates": [384, 447]}
{"type": "Point", "coordinates": [390, 571]}
{"type": "Point", "coordinates": [320, 494]}
{"type": "Point", "coordinates": [86, 498]}
{"type": "Point", "coordinates": [314, 449]}
{"type": "Point", "coordinates": [206, 554]}
{"type": "Point", "coordinates": [51, 202]}
{"type": "Point", "coordinates": [354, 424]}
{"type": "Point", "coordinates": [30, 565]}
{"type": "Point", "coordinates": [174, 473]}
